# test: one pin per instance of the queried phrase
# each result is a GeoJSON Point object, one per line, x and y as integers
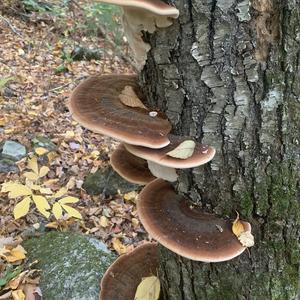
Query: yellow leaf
{"type": "Point", "coordinates": [33, 165]}
{"type": "Point", "coordinates": [184, 150]}
{"type": "Point", "coordinates": [51, 156]}
{"type": "Point", "coordinates": [69, 134]}
{"type": "Point", "coordinates": [57, 210]}
{"type": "Point", "coordinates": [42, 205]}
{"type": "Point", "coordinates": [32, 186]}
{"type": "Point", "coordinates": [22, 208]}
{"type": "Point", "coordinates": [18, 295]}
{"type": "Point", "coordinates": [46, 191]}
{"type": "Point", "coordinates": [68, 199]}
{"type": "Point", "coordinates": [44, 171]}
{"type": "Point", "coordinates": [31, 176]}
{"type": "Point", "coordinates": [237, 226]}
{"type": "Point", "coordinates": [148, 289]}
{"type": "Point", "coordinates": [16, 189]}
{"type": "Point", "coordinates": [40, 151]}
{"type": "Point", "coordinates": [60, 192]}
{"type": "Point", "coordinates": [118, 246]}
{"type": "Point", "coordinates": [72, 212]}
{"type": "Point", "coordinates": [246, 239]}
{"type": "Point", "coordinates": [17, 253]}
{"type": "Point", "coordinates": [104, 221]}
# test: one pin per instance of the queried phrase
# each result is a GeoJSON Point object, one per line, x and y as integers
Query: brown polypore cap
{"type": "Point", "coordinates": [122, 278]}
{"type": "Point", "coordinates": [185, 230]}
{"type": "Point", "coordinates": [130, 167]}
{"type": "Point", "coordinates": [154, 6]}
{"type": "Point", "coordinates": [201, 155]}
{"type": "Point", "coordinates": [96, 105]}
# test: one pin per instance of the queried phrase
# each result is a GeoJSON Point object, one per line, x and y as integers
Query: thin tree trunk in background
{"type": "Point", "coordinates": [227, 73]}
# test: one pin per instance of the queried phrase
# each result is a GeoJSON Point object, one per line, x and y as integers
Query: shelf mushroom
{"type": "Point", "coordinates": [121, 279]}
{"type": "Point", "coordinates": [200, 155]}
{"type": "Point", "coordinates": [98, 104]}
{"type": "Point", "coordinates": [183, 229]}
{"type": "Point", "coordinates": [130, 167]}
{"type": "Point", "coordinates": [143, 15]}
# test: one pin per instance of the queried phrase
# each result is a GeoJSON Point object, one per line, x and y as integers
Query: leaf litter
{"type": "Point", "coordinates": [33, 102]}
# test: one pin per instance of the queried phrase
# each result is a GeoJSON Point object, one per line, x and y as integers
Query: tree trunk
{"type": "Point", "coordinates": [227, 72]}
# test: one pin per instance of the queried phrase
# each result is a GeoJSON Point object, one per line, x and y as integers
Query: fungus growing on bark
{"type": "Point", "coordinates": [143, 15]}
{"type": "Point", "coordinates": [121, 279]}
{"type": "Point", "coordinates": [162, 172]}
{"type": "Point", "coordinates": [130, 167]}
{"type": "Point", "coordinates": [96, 105]}
{"type": "Point", "coordinates": [201, 155]}
{"type": "Point", "coordinates": [186, 230]}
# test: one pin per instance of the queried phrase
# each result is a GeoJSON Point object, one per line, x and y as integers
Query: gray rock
{"type": "Point", "coordinates": [13, 150]}
{"type": "Point", "coordinates": [72, 265]}
{"type": "Point", "coordinates": [106, 181]}
{"type": "Point", "coordinates": [44, 142]}
{"type": "Point", "coordinates": [7, 166]}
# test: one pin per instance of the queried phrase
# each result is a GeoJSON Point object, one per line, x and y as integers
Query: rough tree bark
{"type": "Point", "coordinates": [228, 73]}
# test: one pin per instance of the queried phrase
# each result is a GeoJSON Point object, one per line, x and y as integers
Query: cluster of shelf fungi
{"type": "Point", "coordinates": [149, 155]}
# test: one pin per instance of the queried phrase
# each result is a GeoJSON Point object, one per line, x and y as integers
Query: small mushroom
{"type": "Point", "coordinates": [201, 154]}
{"type": "Point", "coordinates": [122, 278]}
{"type": "Point", "coordinates": [130, 167]}
{"type": "Point", "coordinates": [188, 231]}
{"type": "Point", "coordinates": [96, 105]}
{"type": "Point", "coordinates": [143, 15]}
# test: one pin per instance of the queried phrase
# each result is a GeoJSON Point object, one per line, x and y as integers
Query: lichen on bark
{"type": "Point", "coordinates": [204, 72]}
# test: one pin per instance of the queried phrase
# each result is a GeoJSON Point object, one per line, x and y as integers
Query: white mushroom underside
{"type": "Point", "coordinates": [162, 172]}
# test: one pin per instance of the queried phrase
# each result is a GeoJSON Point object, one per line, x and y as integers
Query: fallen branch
{"type": "Point", "coordinates": [10, 26]}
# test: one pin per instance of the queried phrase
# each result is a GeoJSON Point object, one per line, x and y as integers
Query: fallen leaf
{"type": "Point", "coordinates": [148, 289]}
{"type": "Point", "coordinates": [118, 246]}
{"type": "Point", "coordinates": [104, 221]}
{"type": "Point", "coordinates": [33, 165]}
{"type": "Point", "coordinates": [41, 204]}
{"type": "Point", "coordinates": [16, 189]}
{"type": "Point", "coordinates": [18, 295]}
{"type": "Point", "coordinates": [31, 176]}
{"type": "Point", "coordinates": [68, 199]}
{"type": "Point", "coordinates": [57, 210]}
{"type": "Point", "coordinates": [60, 192]}
{"type": "Point", "coordinates": [129, 98]}
{"type": "Point", "coordinates": [72, 212]}
{"type": "Point", "coordinates": [43, 171]}
{"type": "Point", "coordinates": [22, 208]}
{"type": "Point", "coordinates": [237, 226]}
{"type": "Point", "coordinates": [40, 151]}
{"type": "Point", "coordinates": [246, 239]}
{"type": "Point", "coordinates": [184, 150]}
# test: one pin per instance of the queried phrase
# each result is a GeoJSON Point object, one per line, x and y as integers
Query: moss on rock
{"type": "Point", "coordinates": [72, 264]}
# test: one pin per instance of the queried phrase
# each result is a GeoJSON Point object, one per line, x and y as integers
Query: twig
{"type": "Point", "coordinates": [10, 25]}
{"type": "Point", "coordinates": [65, 85]}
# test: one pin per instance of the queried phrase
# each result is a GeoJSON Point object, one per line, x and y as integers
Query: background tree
{"type": "Point", "coordinates": [227, 73]}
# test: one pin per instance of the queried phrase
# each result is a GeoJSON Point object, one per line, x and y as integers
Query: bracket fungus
{"type": "Point", "coordinates": [96, 105]}
{"type": "Point", "coordinates": [130, 167]}
{"type": "Point", "coordinates": [201, 154]}
{"type": "Point", "coordinates": [122, 278]}
{"type": "Point", "coordinates": [190, 232]}
{"type": "Point", "coordinates": [143, 15]}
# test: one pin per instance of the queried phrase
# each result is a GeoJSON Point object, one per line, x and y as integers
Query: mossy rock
{"type": "Point", "coordinates": [107, 182]}
{"type": "Point", "coordinates": [72, 265]}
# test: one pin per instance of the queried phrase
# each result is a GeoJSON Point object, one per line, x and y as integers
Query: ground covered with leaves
{"type": "Point", "coordinates": [41, 62]}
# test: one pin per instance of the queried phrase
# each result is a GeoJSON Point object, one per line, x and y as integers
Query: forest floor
{"type": "Point", "coordinates": [38, 74]}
